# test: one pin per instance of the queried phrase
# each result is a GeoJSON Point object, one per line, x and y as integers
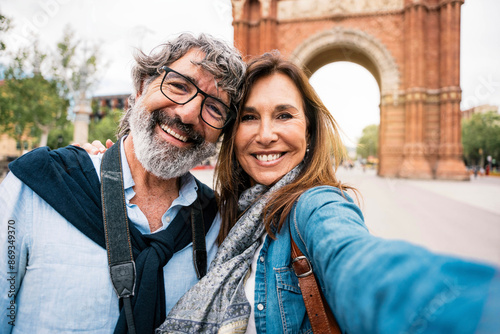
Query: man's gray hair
{"type": "Point", "coordinates": [221, 60]}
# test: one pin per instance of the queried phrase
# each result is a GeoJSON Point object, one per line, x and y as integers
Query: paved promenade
{"type": "Point", "coordinates": [461, 218]}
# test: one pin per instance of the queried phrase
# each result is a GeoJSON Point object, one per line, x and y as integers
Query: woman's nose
{"type": "Point", "coordinates": [266, 133]}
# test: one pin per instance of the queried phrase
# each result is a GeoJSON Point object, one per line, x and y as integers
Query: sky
{"type": "Point", "coordinates": [348, 90]}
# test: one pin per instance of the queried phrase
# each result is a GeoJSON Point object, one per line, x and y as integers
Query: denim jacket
{"type": "Point", "coordinates": [372, 285]}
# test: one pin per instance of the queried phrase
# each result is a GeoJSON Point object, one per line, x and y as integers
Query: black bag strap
{"type": "Point", "coordinates": [199, 246]}
{"type": "Point", "coordinates": [118, 244]}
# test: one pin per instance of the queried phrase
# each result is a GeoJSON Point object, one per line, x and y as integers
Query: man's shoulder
{"type": "Point", "coordinates": [41, 160]}
{"type": "Point", "coordinates": [202, 185]}
{"type": "Point", "coordinates": [11, 185]}
{"type": "Point", "coordinates": [53, 174]}
{"type": "Point", "coordinates": [204, 193]}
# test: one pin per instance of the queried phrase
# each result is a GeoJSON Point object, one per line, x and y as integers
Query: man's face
{"type": "Point", "coordinates": [170, 139]}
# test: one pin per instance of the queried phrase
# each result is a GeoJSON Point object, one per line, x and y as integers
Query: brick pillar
{"type": "Point", "coordinates": [240, 36]}
{"type": "Point", "coordinates": [415, 164]}
{"type": "Point", "coordinates": [240, 25]}
{"type": "Point", "coordinates": [450, 164]}
{"type": "Point", "coordinates": [255, 26]}
{"type": "Point", "coordinates": [268, 25]}
{"type": "Point", "coordinates": [391, 134]}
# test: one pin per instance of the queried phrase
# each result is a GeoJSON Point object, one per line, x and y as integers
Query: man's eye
{"type": "Point", "coordinates": [214, 110]}
{"type": "Point", "coordinates": [177, 87]}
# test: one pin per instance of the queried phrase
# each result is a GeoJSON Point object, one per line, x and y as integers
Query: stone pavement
{"type": "Point", "coordinates": [454, 217]}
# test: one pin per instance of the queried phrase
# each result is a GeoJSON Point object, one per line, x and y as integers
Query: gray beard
{"type": "Point", "coordinates": [158, 157]}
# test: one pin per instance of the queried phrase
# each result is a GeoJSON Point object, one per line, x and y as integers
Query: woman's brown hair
{"type": "Point", "coordinates": [324, 155]}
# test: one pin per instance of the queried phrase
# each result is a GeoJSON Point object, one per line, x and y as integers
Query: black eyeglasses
{"type": "Point", "coordinates": [179, 89]}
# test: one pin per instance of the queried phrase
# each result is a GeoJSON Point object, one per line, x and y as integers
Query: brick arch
{"type": "Point", "coordinates": [412, 48]}
{"type": "Point", "coordinates": [357, 46]}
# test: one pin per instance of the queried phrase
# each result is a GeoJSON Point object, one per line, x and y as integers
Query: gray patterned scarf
{"type": "Point", "coordinates": [217, 304]}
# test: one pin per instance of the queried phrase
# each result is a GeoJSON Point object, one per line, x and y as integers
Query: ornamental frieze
{"type": "Point", "coordinates": [301, 9]}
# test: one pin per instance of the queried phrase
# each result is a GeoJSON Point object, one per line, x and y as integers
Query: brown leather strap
{"type": "Point", "coordinates": [321, 317]}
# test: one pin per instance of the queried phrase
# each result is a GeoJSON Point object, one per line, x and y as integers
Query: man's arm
{"type": "Point", "coordinates": [15, 226]}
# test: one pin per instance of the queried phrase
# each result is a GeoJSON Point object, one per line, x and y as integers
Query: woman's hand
{"type": "Point", "coordinates": [96, 147]}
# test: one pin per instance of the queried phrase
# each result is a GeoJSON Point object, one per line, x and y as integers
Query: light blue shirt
{"type": "Point", "coordinates": [53, 279]}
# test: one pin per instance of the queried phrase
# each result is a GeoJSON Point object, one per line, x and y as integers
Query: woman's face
{"type": "Point", "coordinates": [271, 138]}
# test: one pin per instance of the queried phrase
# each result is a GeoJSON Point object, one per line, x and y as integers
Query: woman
{"type": "Point", "coordinates": [276, 179]}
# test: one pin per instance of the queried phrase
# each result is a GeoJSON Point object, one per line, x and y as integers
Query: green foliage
{"type": "Point", "coordinates": [481, 137]}
{"type": "Point", "coordinates": [105, 127]}
{"type": "Point", "coordinates": [30, 104]}
{"type": "Point", "coordinates": [368, 143]}
{"type": "Point", "coordinates": [61, 135]}
{"type": "Point", "coordinates": [4, 27]}
{"type": "Point", "coordinates": [40, 87]}
{"type": "Point", "coordinates": [76, 64]}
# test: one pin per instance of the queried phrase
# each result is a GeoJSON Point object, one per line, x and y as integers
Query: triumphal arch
{"type": "Point", "coordinates": [412, 48]}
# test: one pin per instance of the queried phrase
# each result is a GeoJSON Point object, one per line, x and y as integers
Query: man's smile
{"type": "Point", "coordinates": [172, 132]}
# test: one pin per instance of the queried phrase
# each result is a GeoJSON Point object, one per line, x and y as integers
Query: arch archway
{"type": "Point", "coordinates": [410, 46]}
{"type": "Point", "coordinates": [344, 44]}
{"type": "Point", "coordinates": [339, 84]}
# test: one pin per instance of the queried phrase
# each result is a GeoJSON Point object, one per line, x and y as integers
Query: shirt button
{"type": "Point", "coordinates": [167, 219]}
{"type": "Point", "coordinates": [260, 307]}
{"type": "Point", "coordinates": [261, 259]}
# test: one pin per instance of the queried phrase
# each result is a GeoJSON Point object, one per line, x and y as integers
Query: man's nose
{"type": "Point", "coordinates": [189, 113]}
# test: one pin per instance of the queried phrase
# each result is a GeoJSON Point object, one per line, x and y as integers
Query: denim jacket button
{"type": "Point", "coordinates": [260, 307]}
{"type": "Point", "coordinates": [261, 259]}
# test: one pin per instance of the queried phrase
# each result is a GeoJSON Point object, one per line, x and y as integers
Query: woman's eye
{"type": "Point", "coordinates": [247, 118]}
{"type": "Point", "coordinates": [285, 116]}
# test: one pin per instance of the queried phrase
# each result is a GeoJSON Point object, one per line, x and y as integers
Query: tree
{"type": "Point", "coordinates": [76, 64]}
{"type": "Point", "coordinates": [105, 127]}
{"type": "Point", "coordinates": [368, 143]}
{"type": "Point", "coordinates": [29, 103]}
{"type": "Point", "coordinates": [481, 137]}
{"type": "Point", "coordinates": [61, 135]}
{"type": "Point", "coordinates": [39, 88]}
{"type": "Point", "coordinates": [4, 27]}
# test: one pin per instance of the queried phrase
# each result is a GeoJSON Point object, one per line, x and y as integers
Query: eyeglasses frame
{"type": "Point", "coordinates": [167, 70]}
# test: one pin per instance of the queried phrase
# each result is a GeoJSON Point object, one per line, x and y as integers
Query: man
{"type": "Point", "coordinates": [54, 271]}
